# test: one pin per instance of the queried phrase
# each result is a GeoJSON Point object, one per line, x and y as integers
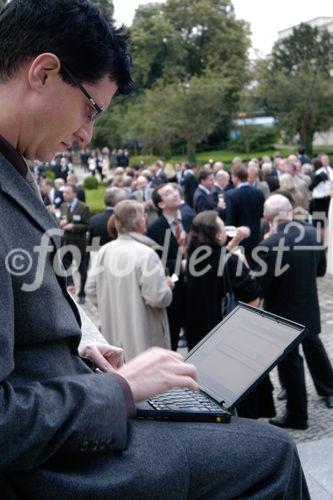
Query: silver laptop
{"type": "Point", "coordinates": [231, 361]}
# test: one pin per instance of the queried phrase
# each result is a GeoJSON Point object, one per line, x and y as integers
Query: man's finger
{"type": "Point", "coordinates": [185, 382]}
{"type": "Point", "coordinates": [96, 357]}
{"type": "Point", "coordinates": [186, 369]}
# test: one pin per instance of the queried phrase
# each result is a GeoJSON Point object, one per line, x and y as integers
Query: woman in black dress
{"type": "Point", "coordinates": [213, 272]}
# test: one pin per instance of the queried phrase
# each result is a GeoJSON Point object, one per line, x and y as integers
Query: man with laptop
{"type": "Point", "coordinates": [65, 430]}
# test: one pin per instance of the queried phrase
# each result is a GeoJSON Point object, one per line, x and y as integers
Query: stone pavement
{"type": "Point", "coordinates": [316, 443]}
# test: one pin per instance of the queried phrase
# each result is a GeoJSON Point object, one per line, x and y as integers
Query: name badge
{"type": "Point", "coordinates": [76, 218]}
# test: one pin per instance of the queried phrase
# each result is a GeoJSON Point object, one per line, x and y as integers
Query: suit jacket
{"type": "Point", "coordinates": [81, 195]}
{"type": "Point", "coordinates": [203, 201]}
{"type": "Point", "coordinates": [189, 184]}
{"type": "Point", "coordinates": [160, 232]}
{"type": "Point", "coordinates": [58, 198]}
{"type": "Point", "coordinates": [293, 293]}
{"type": "Point", "coordinates": [98, 227]}
{"type": "Point", "coordinates": [52, 406]}
{"type": "Point", "coordinates": [80, 217]}
{"type": "Point", "coordinates": [160, 178]}
{"type": "Point", "coordinates": [151, 211]}
{"type": "Point", "coordinates": [263, 187]}
{"type": "Point", "coordinates": [244, 207]}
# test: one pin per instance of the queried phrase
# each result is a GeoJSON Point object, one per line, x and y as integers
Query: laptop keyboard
{"type": "Point", "coordinates": [184, 400]}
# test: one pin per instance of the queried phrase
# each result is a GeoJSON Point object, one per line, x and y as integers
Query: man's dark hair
{"type": "Point", "coordinates": [155, 196]}
{"type": "Point", "coordinates": [73, 188]}
{"type": "Point", "coordinates": [240, 172]}
{"type": "Point", "coordinates": [203, 175]}
{"type": "Point", "coordinates": [317, 164]}
{"type": "Point", "coordinates": [78, 32]}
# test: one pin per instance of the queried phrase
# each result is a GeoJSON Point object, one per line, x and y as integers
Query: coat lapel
{"type": "Point", "coordinates": [18, 189]}
{"type": "Point", "coordinates": [24, 195]}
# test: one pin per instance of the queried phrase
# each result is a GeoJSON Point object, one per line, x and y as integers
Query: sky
{"type": "Point", "coordinates": [266, 17]}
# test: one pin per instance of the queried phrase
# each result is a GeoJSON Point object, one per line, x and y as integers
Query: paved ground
{"type": "Point", "coordinates": [315, 444]}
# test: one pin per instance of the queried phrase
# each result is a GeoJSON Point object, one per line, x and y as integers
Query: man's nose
{"type": "Point", "coordinates": [85, 133]}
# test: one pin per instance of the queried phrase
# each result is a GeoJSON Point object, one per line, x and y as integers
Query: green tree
{"type": "Point", "coordinates": [297, 85]}
{"type": "Point", "coordinates": [178, 39]}
{"type": "Point", "coordinates": [190, 63]}
{"type": "Point", "coordinates": [157, 47]}
{"type": "Point", "coordinates": [182, 112]}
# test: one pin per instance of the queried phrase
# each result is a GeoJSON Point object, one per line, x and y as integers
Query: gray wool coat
{"type": "Point", "coordinates": [64, 431]}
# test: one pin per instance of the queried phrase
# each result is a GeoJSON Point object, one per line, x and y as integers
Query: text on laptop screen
{"type": "Point", "coordinates": [239, 351]}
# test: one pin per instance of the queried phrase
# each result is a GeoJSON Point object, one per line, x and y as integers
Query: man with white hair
{"type": "Point", "coordinates": [217, 167]}
{"type": "Point", "coordinates": [222, 180]}
{"type": "Point", "coordinates": [143, 193]}
{"type": "Point", "coordinates": [254, 180]}
{"type": "Point", "coordinates": [290, 261]}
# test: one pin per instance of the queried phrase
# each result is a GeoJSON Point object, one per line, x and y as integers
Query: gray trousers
{"type": "Point", "coordinates": [171, 461]}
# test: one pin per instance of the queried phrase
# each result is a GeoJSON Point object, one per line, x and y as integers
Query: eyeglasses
{"type": "Point", "coordinates": [98, 109]}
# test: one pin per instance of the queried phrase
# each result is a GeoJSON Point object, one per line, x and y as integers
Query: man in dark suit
{"type": "Point", "coordinates": [290, 261]}
{"type": "Point", "coordinates": [159, 176]}
{"type": "Point", "coordinates": [202, 198]}
{"type": "Point", "coordinates": [99, 222]}
{"type": "Point", "coordinates": [67, 431]}
{"type": "Point", "coordinates": [244, 207]}
{"type": "Point", "coordinates": [189, 183]}
{"type": "Point", "coordinates": [170, 231]}
{"type": "Point", "coordinates": [75, 218]}
{"type": "Point", "coordinates": [143, 193]}
{"type": "Point", "coordinates": [74, 181]}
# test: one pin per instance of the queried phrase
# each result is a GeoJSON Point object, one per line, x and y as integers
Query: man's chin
{"type": "Point", "coordinates": [44, 156]}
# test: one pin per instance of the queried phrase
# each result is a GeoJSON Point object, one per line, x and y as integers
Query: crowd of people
{"type": "Point", "coordinates": [225, 220]}
{"type": "Point", "coordinates": [68, 423]}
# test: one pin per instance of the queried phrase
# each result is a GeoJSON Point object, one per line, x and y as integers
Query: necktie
{"type": "Point", "coordinates": [69, 212]}
{"type": "Point", "coordinates": [180, 237]}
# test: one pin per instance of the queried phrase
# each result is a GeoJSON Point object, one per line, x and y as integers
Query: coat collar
{"type": "Point", "coordinates": [23, 194]}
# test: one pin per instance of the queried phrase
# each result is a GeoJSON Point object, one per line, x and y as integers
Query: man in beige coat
{"type": "Point", "coordinates": [128, 285]}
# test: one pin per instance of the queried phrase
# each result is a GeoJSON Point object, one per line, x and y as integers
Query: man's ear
{"type": "Point", "coordinates": [43, 70]}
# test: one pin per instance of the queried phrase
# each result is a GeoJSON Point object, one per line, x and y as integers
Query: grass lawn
{"type": "Point", "coordinates": [227, 156]}
{"type": "Point", "coordinates": [95, 199]}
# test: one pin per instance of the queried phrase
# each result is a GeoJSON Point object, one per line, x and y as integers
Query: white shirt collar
{"type": "Point", "coordinates": [205, 190]}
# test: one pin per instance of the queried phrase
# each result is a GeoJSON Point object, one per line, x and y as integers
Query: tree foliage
{"type": "Point", "coordinates": [297, 85]}
{"type": "Point", "coordinates": [306, 48]}
{"type": "Point", "coordinates": [190, 63]}
{"type": "Point", "coordinates": [178, 39]}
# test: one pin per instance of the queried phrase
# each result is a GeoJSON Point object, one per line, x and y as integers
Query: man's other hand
{"type": "Point", "coordinates": [158, 370]}
{"type": "Point", "coordinates": [105, 356]}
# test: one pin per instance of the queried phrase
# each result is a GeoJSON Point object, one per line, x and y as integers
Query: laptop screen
{"type": "Point", "coordinates": [239, 350]}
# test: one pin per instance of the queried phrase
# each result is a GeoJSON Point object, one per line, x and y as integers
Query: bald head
{"type": "Point", "coordinates": [141, 182]}
{"type": "Point", "coordinates": [278, 208]}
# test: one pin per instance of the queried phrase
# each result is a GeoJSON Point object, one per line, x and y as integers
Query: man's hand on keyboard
{"type": "Point", "coordinates": [158, 370]}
